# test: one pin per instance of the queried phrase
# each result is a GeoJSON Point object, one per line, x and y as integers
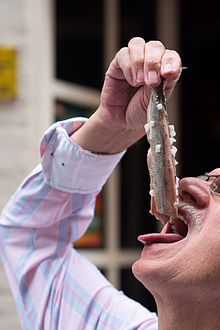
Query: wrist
{"type": "Point", "coordinates": [98, 136]}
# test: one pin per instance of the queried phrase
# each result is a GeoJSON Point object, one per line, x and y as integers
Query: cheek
{"type": "Point", "coordinates": [202, 261]}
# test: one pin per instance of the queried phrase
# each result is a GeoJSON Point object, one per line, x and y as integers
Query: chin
{"type": "Point", "coordinates": [148, 274]}
{"type": "Point", "coordinates": [160, 276]}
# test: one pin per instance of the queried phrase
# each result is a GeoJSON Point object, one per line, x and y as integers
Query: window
{"type": "Point", "coordinates": [87, 36]}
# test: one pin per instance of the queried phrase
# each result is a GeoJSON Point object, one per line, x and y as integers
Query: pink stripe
{"type": "Point", "coordinates": [89, 310]}
{"type": "Point", "coordinates": [22, 315]}
{"type": "Point", "coordinates": [54, 320]}
{"type": "Point", "coordinates": [51, 316]}
{"type": "Point", "coordinates": [13, 202]}
{"type": "Point", "coordinates": [51, 267]}
{"type": "Point", "coordinates": [28, 314]}
{"type": "Point", "coordinates": [23, 207]}
{"type": "Point", "coordinates": [26, 203]}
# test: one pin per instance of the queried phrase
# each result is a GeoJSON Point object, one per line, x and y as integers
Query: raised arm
{"type": "Point", "coordinates": [53, 286]}
{"type": "Point", "coordinates": [49, 211]}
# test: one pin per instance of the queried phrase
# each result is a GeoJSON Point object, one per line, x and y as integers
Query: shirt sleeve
{"type": "Point", "coordinates": [54, 287]}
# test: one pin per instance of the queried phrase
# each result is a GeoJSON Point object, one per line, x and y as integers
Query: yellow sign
{"type": "Point", "coordinates": [7, 73]}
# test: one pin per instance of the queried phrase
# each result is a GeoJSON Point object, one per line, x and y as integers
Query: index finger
{"type": "Point", "coordinates": [171, 69]}
{"type": "Point", "coordinates": [170, 64]}
{"type": "Point", "coordinates": [154, 51]}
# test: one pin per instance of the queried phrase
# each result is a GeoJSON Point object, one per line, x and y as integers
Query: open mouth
{"type": "Point", "coordinates": [175, 230]}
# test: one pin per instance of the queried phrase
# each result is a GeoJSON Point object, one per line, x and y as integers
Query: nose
{"type": "Point", "coordinates": [194, 191]}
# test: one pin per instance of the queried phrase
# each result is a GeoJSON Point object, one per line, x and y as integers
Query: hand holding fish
{"type": "Point", "coordinates": [135, 68]}
{"type": "Point", "coordinates": [121, 116]}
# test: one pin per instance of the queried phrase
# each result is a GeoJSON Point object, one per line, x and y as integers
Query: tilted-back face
{"type": "Point", "coordinates": [187, 264]}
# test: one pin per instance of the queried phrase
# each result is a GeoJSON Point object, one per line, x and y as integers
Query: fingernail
{"type": "Point", "coordinates": [140, 76]}
{"type": "Point", "coordinates": [167, 68]}
{"type": "Point", "coordinates": [143, 242]}
{"type": "Point", "coordinates": [152, 77]}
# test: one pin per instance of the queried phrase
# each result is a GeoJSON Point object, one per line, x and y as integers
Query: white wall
{"type": "Point", "coordinates": [26, 26]}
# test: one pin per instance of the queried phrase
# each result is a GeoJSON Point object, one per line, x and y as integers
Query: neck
{"type": "Point", "coordinates": [181, 315]}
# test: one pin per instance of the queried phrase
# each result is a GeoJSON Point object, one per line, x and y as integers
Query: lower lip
{"type": "Point", "coordinates": [157, 250]}
{"type": "Point", "coordinates": [159, 238]}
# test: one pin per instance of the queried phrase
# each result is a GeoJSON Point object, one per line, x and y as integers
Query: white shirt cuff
{"type": "Point", "coordinates": [70, 168]}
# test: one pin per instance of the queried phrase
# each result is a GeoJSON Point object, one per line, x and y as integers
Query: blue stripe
{"type": "Point", "coordinates": [30, 312]}
{"type": "Point", "coordinates": [82, 308]}
{"type": "Point", "coordinates": [54, 310]}
{"type": "Point", "coordinates": [7, 231]}
{"type": "Point", "coordinates": [20, 273]}
{"type": "Point", "coordinates": [63, 233]}
{"type": "Point", "coordinates": [37, 187]}
{"type": "Point", "coordinates": [56, 263]}
{"type": "Point", "coordinates": [85, 213]}
{"type": "Point", "coordinates": [63, 230]}
{"type": "Point", "coordinates": [51, 305]}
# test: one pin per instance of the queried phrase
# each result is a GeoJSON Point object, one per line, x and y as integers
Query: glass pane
{"type": "Point", "coordinates": [135, 290]}
{"type": "Point", "coordinates": [137, 20]}
{"type": "Point", "coordinates": [79, 42]}
{"type": "Point", "coordinates": [64, 110]}
{"type": "Point", "coordinates": [200, 87]}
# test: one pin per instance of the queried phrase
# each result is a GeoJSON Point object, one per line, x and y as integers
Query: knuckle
{"type": "Point", "coordinates": [137, 62]}
{"type": "Point", "coordinates": [155, 43]}
{"type": "Point", "coordinates": [121, 54]}
{"type": "Point", "coordinates": [171, 54]}
{"type": "Point", "coordinates": [122, 51]}
{"type": "Point", "coordinates": [126, 67]}
{"type": "Point", "coordinates": [151, 60]}
{"type": "Point", "coordinates": [153, 63]}
{"type": "Point", "coordinates": [136, 41]}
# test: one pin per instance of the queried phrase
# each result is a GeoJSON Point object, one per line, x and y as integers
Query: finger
{"type": "Point", "coordinates": [136, 47]}
{"type": "Point", "coordinates": [170, 69]}
{"type": "Point", "coordinates": [154, 51]}
{"type": "Point", "coordinates": [123, 66]}
{"type": "Point", "coordinates": [170, 65]}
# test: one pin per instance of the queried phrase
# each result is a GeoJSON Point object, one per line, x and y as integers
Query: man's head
{"type": "Point", "coordinates": [186, 265]}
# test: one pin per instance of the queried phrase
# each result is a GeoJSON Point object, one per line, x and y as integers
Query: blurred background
{"type": "Point", "coordinates": [53, 56]}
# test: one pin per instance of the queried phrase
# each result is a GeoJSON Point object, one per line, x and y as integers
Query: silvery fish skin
{"type": "Point", "coordinates": [161, 158]}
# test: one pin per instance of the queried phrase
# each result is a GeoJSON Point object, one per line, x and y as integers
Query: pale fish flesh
{"type": "Point", "coordinates": [161, 158]}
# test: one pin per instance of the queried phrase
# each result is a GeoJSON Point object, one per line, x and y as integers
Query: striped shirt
{"type": "Point", "coordinates": [53, 285]}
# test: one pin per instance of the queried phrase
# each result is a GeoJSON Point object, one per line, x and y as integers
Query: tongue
{"type": "Point", "coordinates": [159, 238]}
